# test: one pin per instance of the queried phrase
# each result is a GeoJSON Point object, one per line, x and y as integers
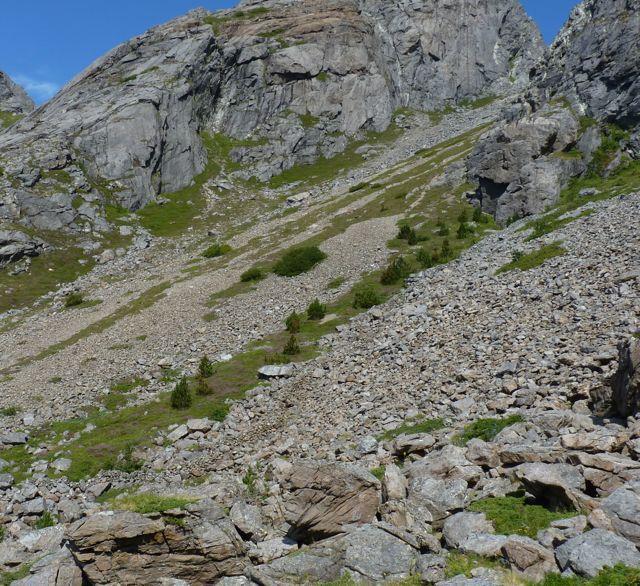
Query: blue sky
{"type": "Point", "coordinates": [43, 44]}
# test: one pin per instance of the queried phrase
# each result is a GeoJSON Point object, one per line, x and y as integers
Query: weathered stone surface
{"type": "Point", "coordinates": [56, 569]}
{"type": "Point", "coordinates": [622, 509]}
{"type": "Point", "coordinates": [578, 63]}
{"type": "Point", "coordinates": [460, 526]}
{"type": "Point", "coordinates": [529, 557]}
{"type": "Point", "coordinates": [128, 548]}
{"type": "Point", "coordinates": [555, 484]}
{"type": "Point", "coordinates": [13, 98]}
{"type": "Point", "coordinates": [626, 384]}
{"type": "Point", "coordinates": [323, 499]}
{"type": "Point", "coordinates": [588, 553]}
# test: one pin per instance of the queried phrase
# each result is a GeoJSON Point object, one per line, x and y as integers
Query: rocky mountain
{"type": "Point", "coordinates": [292, 82]}
{"type": "Point", "coordinates": [588, 76]}
{"type": "Point", "coordinates": [221, 366]}
{"type": "Point", "coordinates": [14, 101]}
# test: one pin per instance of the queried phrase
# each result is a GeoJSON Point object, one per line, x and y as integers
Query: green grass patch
{"type": "Point", "coordinates": [485, 429]}
{"type": "Point", "coordinates": [252, 275]}
{"type": "Point", "coordinates": [129, 384]}
{"type": "Point", "coordinates": [9, 119]}
{"type": "Point", "coordinates": [463, 564]}
{"type": "Point", "coordinates": [378, 472]}
{"type": "Point", "coordinates": [8, 578]}
{"type": "Point", "coordinates": [552, 222]}
{"type": "Point", "coordinates": [619, 575]}
{"type": "Point", "coordinates": [410, 427]}
{"type": "Point", "coordinates": [526, 262]}
{"type": "Point", "coordinates": [145, 503]}
{"type": "Point", "coordinates": [511, 515]}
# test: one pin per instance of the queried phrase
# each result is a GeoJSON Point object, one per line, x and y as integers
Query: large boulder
{"type": "Point", "coordinates": [590, 552]}
{"type": "Point", "coordinates": [558, 485]}
{"type": "Point", "coordinates": [622, 510]}
{"type": "Point", "coordinates": [56, 569]}
{"type": "Point", "coordinates": [460, 526]}
{"type": "Point", "coordinates": [626, 384]}
{"type": "Point", "coordinates": [520, 167]}
{"type": "Point", "coordinates": [321, 500]}
{"type": "Point", "coordinates": [128, 548]}
{"type": "Point", "coordinates": [528, 557]}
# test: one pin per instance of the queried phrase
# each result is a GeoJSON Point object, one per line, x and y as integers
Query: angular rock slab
{"type": "Point", "coordinates": [590, 552]}
{"type": "Point", "coordinates": [322, 500]}
{"type": "Point", "coordinates": [127, 548]}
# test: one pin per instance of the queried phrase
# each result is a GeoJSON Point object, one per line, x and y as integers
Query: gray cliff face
{"type": "Point", "coordinates": [590, 70]}
{"type": "Point", "coordinates": [594, 61]}
{"type": "Point", "coordinates": [13, 99]}
{"type": "Point", "coordinates": [298, 79]}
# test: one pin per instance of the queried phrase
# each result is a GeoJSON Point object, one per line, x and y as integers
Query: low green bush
{"type": "Point", "coordinates": [316, 310]}
{"type": "Point", "coordinates": [358, 187]}
{"type": "Point", "coordinates": [464, 231]}
{"type": "Point", "coordinates": [203, 389]}
{"type": "Point", "coordinates": [253, 274]}
{"type": "Point", "coordinates": [220, 412]}
{"type": "Point", "coordinates": [366, 297]}
{"type": "Point", "coordinates": [445, 251]}
{"type": "Point", "coordinates": [425, 258]}
{"type": "Point", "coordinates": [73, 300]}
{"type": "Point", "coordinates": [216, 250]}
{"type": "Point", "coordinates": [298, 261]}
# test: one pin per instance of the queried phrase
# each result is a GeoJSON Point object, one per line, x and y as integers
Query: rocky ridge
{"type": "Point", "coordinates": [13, 99]}
{"type": "Point", "coordinates": [280, 90]}
{"type": "Point", "coordinates": [582, 103]}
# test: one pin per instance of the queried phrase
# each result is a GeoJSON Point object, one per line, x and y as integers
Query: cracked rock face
{"type": "Point", "coordinates": [13, 98]}
{"type": "Point", "coordinates": [300, 78]}
{"type": "Point", "coordinates": [594, 61]}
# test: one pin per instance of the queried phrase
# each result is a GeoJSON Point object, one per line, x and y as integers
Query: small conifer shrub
{"type": "Point", "coordinates": [181, 395]}
{"type": "Point", "coordinates": [292, 347]}
{"type": "Point", "coordinates": [316, 310]}
{"type": "Point", "coordinates": [293, 323]}
{"type": "Point", "coordinates": [205, 368]}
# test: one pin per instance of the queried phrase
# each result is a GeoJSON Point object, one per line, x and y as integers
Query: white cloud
{"type": "Point", "coordinates": [40, 90]}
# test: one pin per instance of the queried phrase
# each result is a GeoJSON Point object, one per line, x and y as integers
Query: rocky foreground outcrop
{"type": "Point", "coordinates": [589, 76]}
{"type": "Point", "coordinates": [299, 80]}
